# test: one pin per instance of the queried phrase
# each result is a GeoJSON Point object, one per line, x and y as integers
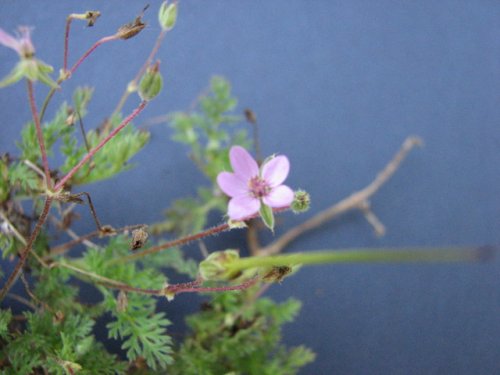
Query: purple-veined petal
{"type": "Point", "coordinates": [280, 196]}
{"type": "Point", "coordinates": [242, 162]}
{"type": "Point", "coordinates": [231, 184]}
{"type": "Point", "coordinates": [9, 41]}
{"type": "Point", "coordinates": [275, 171]}
{"type": "Point", "coordinates": [243, 206]}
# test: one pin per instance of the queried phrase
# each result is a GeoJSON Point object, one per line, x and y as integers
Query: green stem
{"type": "Point", "coordinates": [411, 255]}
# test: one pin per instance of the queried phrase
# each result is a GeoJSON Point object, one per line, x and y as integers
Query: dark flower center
{"type": "Point", "coordinates": [258, 187]}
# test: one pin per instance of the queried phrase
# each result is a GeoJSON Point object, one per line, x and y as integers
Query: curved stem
{"type": "Point", "coordinates": [91, 49]}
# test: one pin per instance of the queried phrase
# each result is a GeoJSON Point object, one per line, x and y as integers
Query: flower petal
{"type": "Point", "coordinates": [9, 41]}
{"type": "Point", "coordinates": [242, 162]}
{"type": "Point", "coordinates": [275, 171]}
{"type": "Point", "coordinates": [280, 196]}
{"type": "Point", "coordinates": [231, 184]}
{"type": "Point", "coordinates": [242, 207]}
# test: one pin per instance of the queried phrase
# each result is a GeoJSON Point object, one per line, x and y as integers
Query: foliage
{"type": "Point", "coordinates": [209, 131]}
{"type": "Point", "coordinates": [58, 346]}
{"type": "Point", "coordinates": [234, 332]}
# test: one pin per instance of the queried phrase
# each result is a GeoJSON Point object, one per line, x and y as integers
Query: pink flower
{"type": "Point", "coordinates": [249, 188]}
{"type": "Point", "coordinates": [21, 44]}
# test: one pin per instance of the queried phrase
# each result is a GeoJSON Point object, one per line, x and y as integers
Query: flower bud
{"type": "Point", "coordinates": [167, 15]}
{"type": "Point", "coordinates": [151, 83]}
{"type": "Point", "coordinates": [214, 267]}
{"type": "Point", "coordinates": [301, 201]}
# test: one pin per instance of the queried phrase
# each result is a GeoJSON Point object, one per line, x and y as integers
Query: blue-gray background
{"type": "Point", "coordinates": [337, 86]}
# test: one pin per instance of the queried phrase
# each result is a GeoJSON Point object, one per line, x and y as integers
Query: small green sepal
{"type": "Point", "coordinates": [267, 215]}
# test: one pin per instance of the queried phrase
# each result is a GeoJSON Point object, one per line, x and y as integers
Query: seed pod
{"type": "Point", "coordinates": [151, 83]}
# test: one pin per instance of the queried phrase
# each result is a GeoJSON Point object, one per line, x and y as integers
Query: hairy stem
{"type": "Point", "coordinates": [39, 134]}
{"type": "Point", "coordinates": [91, 49]}
{"type": "Point", "coordinates": [184, 240]}
{"type": "Point", "coordinates": [92, 152]}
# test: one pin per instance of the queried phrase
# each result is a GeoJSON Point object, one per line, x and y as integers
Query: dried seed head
{"type": "Point", "coordinates": [139, 238]}
{"type": "Point", "coordinates": [133, 28]}
{"type": "Point", "coordinates": [250, 116]}
{"type": "Point", "coordinates": [91, 16]}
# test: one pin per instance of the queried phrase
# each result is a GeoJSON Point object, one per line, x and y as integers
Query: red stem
{"type": "Point", "coordinates": [24, 255]}
{"type": "Point", "coordinates": [151, 56]}
{"type": "Point", "coordinates": [92, 152]}
{"type": "Point", "coordinates": [184, 240]}
{"type": "Point", "coordinates": [39, 134]}
{"type": "Point", "coordinates": [66, 43]}
{"type": "Point", "coordinates": [247, 284]}
{"type": "Point", "coordinates": [190, 287]}
{"type": "Point", "coordinates": [91, 49]}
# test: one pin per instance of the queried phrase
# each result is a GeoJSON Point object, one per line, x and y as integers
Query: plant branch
{"type": "Point", "coordinates": [92, 49]}
{"type": "Point", "coordinates": [357, 200]}
{"type": "Point", "coordinates": [132, 85]}
{"type": "Point", "coordinates": [92, 152]}
{"type": "Point", "coordinates": [26, 251]}
{"type": "Point", "coordinates": [39, 134]}
{"type": "Point", "coordinates": [187, 239]}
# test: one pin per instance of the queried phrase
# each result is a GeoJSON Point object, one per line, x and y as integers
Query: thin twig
{"type": "Point", "coordinates": [22, 300]}
{"type": "Point", "coordinates": [355, 201]}
{"type": "Point", "coordinates": [61, 249]}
